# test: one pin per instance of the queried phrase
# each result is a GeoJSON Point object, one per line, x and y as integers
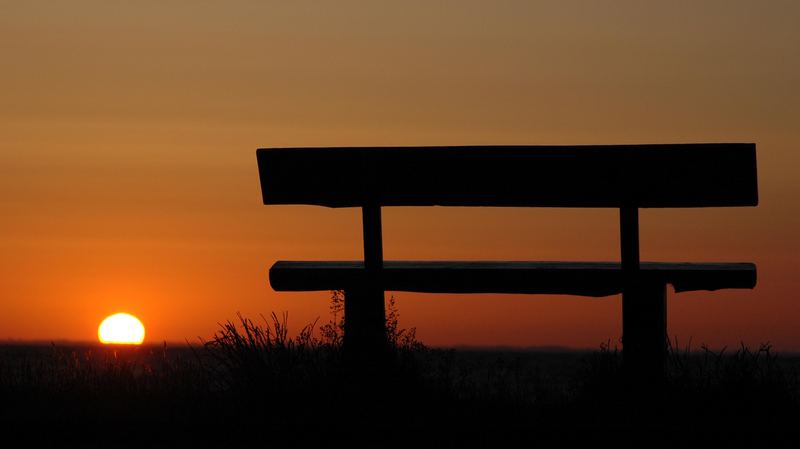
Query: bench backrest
{"type": "Point", "coordinates": [638, 176]}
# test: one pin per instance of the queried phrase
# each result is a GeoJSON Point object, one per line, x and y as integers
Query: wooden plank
{"type": "Point", "coordinates": [680, 175]}
{"type": "Point", "coordinates": [568, 278]}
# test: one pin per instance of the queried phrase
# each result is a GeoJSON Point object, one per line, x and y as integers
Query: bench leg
{"type": "Point", "coordinates": [364, 323]}
{"type": "Point", "coordinates": [644, 330]}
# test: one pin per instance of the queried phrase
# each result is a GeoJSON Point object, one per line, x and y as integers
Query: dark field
{"type": "Point", "coordinates": [254, 386]}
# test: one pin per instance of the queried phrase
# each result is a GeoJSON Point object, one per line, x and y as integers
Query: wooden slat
{"type": "Point", "coordinates": [568, 278]}
{"type": "Point", "coordinates": [680, 175]}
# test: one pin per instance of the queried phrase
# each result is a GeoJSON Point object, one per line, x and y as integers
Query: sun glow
{"type": "Point", "coordinates": [121, 329]}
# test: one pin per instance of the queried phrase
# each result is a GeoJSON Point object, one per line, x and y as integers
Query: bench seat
{"type": "Point", "coordinates": [568, 278]}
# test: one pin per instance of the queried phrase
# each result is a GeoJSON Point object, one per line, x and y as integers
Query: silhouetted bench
{"type": "Point", "coordinates": [627, 177]}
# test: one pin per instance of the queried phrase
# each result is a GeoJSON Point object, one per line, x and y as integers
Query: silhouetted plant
{"type": "Point", "coordinates": [399, 338]}
{"type": "Point", "coordinates": [254, 356]}
{"type": "Point", "coordinates": [332, 332]}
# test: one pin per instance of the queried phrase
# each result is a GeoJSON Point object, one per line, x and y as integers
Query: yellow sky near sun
{"type": "Point", "coordinates": [128, 135]}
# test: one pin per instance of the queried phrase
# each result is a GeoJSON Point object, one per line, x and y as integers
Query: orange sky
{"type": "Point", "coordinates": [128, 132]}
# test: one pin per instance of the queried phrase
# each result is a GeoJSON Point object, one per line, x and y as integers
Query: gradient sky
{"type": "Point", "coordinates": [128, 130]}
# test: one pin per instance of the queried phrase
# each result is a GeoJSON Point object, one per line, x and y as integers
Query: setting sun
{"type": "Point", "coordinates": [121, 328]}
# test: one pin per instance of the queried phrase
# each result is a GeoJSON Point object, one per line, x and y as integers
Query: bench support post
{"type": "Point", "coordinates": [644, 307]}
{"type": "Point", "coordinates": [364, 309]}
{"type": "Point", "coordinates": [644, 330]}
{"type": "Point", "coordinates": [364, 322]}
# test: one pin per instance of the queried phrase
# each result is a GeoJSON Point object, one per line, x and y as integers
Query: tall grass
{"type": "Point", "coordinates": [299, 390]}
{"type": "Point", "coordinates": [256, 355]}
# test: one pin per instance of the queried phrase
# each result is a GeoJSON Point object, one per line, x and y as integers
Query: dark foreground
{"type": "Point", "coordinates": [255, 387]}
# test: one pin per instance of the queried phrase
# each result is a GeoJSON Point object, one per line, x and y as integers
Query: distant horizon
{"type": "Point", "coordinates": [694, 349]}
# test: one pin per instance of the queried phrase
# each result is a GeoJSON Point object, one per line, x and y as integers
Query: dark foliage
{"type": "Point", "coordinates": [252, 384]}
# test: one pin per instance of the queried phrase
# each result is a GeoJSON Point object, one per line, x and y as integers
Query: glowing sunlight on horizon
{"type": "Point", "coordinates": [121, 329]}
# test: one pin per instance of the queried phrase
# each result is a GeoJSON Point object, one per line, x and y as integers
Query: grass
{"type": "Point", "coordinates": [254, 385]}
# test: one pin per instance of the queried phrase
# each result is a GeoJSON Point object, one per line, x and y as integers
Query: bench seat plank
{"type": "Point", "coordinates": [568, 278]}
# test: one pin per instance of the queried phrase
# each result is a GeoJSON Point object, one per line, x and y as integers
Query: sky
{"type": "Point", "coordinates": [128, 178]}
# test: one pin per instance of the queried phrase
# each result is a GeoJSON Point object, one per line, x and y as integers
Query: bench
{"type": "Point", "coordinates": [626, 177]}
